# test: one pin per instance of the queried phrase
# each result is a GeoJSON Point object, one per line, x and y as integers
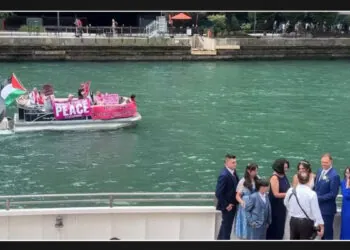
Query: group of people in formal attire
{"type": "Point", "coordinates": [275, 209]}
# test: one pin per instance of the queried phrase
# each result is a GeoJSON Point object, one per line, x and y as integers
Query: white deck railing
{"type": "Point", "coordinates": [101, 216]}
{"type": "Point", "coordinates": [110, 199]}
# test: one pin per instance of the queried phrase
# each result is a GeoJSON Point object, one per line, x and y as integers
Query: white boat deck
{"type": "Point", "coordinates": [101, 216]}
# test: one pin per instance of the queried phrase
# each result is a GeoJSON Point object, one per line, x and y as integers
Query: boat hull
{"type": "Point", "coordinates": [74, 125]}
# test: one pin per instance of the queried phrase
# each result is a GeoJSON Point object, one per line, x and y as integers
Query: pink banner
{"type": "Point", "coordinates": [110, 99]}
{"type": "Point", "coordinates": [73, 109]}
{"type": "Point", "coordinates": [109, 112]}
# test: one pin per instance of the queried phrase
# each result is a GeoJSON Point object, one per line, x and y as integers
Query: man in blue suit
{"type": "Point", "coordinates": [327, 187]}
{"type": "Point", "coordinates": [226, 195]}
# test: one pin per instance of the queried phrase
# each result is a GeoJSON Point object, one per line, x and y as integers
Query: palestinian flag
{"type": "Point", "coordinates": [12, 90]}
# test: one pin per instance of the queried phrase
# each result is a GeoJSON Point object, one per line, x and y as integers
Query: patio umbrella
{"type": "Point", "coordinates": [181, 16]}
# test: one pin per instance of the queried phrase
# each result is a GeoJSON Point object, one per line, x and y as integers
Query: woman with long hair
{"type": "Point", "coordinates": [279, 186]}
{"type": "Point", "coordinates": [304, 166]}
{"type": "Point", "coordinates": [345, 209]}
{"type": "Point", "coordinates": [245, 187]}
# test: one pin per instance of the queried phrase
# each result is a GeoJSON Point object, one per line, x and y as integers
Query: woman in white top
{"type": "Point", "coordinates": [303, 166]}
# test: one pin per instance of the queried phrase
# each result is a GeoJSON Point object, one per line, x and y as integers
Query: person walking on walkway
{"type": "Point", "coordinates": [226, 196]}
{"type": "Point", "coordinates": [302, 204]}
{"type": "Point", "coordinates": [327, 188]}
{"type": "Point", "coordinates": [345, 209]}
{"type": "Point", "coordinates": [279, 186]}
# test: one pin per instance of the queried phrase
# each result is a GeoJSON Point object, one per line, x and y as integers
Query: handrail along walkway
{"type": "Point", "coordinates": [110, 199]}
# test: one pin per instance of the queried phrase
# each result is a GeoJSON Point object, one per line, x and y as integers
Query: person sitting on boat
{"type": "Point", "coordinates": [98, 98]}
{"type": "Point", "coordinates": [132, 99]}
{"type": "Point", "coordinates": [70, 97]}
{"type": "Point", "coordinates": [34, 97]}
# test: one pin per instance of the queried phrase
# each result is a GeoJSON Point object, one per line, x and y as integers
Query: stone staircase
{"type": "Point", "coordinates": [207, 46]}
{"type": "Point", "coordinates": [158, 27]}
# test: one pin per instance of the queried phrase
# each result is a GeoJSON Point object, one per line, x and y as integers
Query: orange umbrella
{"type": "Point", "coordinates": [181, 16]}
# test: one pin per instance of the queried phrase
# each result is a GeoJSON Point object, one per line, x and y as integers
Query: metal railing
{"type": "Point", "coordinates": [110, 199]}
{"type": "Point", "coordinates": [104, 199]}
{"type": "Point", "coordinates": [107, 31]}
{"type": "Point", "coordinates": [96, 31]}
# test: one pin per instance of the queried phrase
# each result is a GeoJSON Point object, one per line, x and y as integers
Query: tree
{"type": "Point", "coordinates": [218, 23]}
{"type": "Point", "coordinates": [5, 14]}
{"type": "Point", "coordinates": [320, 17]}
{"type": "Point", "coordinates": [234, 23]}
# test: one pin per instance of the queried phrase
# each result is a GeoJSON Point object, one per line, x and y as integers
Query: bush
{"type": "Point", "coordinates": [1, 23]}
{"type": "Point", "coordinates": [234, 23]}
{"type": "Point", "coordinates": [218, 22]}
{"type": "Point", "coordinates": [246, 27]}
{"type": "Point", "coordinates": [26, 28]}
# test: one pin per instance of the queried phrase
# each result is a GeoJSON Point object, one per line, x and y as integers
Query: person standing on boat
{"type": "Point", "coordinates": [303, 166]}
{"type": "Point", "coordinates": [279, 186]}
{"type": "Point", "coordinates": [4, 123]}
{"type": "Point", "coordinates": [258, 212]}
{"type": "Point", "coordinates": [48, 103]}
{"type": "Point", "coordinates": [345, 209]}
{"type": "Point", "coordinates": [301, 201]}
{"type": "Point", "coordinates": [34, 97]}
{"type": "Point", "coordinates": [245, 187]}
{"type": "Point", "coordinates": [327, 188]}
{"type": "Point", "coordinates": [226, 194]}
{"type": "Point", "coordinates": [81, 93]}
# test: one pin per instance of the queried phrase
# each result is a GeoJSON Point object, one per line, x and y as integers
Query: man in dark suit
{"type": "Point", "coordinates": [327, 187]}
{"type": "Point", "coordinates": [226, 195]}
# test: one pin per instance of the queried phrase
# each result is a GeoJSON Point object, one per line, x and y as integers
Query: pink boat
{"type": "Point", "coordinates": [88, 112]}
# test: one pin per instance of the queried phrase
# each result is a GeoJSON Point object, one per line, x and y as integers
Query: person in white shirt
{"type": "Point", "coordinates": [302, 205]}
{"type": "Point", "coordinates": [4, 123]}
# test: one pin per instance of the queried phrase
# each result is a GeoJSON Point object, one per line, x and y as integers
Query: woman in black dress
{"type": "Point", "coordinates": [279, 186]}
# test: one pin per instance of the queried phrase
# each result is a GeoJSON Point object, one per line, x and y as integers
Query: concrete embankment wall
{"type": "Point", "coordinates": [155, 49]}
{"type": "Point", "coordinates": [283, 48]}
{"type": "Point", "coordinates": [92, 48]}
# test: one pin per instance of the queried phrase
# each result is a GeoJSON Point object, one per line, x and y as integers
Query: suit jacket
{"type": "Point", "coordinates": [327, 190]}
{"type": "Point", "coordinates": [226, 189]}
{"type": "Point", "coordinates": [257, 211]}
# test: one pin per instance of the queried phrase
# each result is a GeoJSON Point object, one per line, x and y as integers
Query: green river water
{"type": "Point", "coordinates": [193, 114]}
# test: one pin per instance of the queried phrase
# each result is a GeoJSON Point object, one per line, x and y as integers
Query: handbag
{"type": "Point", "coordinates": [315, 229]}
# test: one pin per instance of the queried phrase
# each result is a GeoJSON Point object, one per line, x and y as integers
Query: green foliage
{"type": "Point", "coordinates": [218, 23]}
{"type": "Point", "coordinates": [320, 17]}
{"type": "Point", "coordinates": [25, 28]}
{"type": "Point", "coordinates": [346, 20]}
{"type": "Point", "coordinates": [5, 14]}
{"type": "Point", "coordinates": [234, 23]}
{"type": "Point", "coordinates": [246, 27]}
